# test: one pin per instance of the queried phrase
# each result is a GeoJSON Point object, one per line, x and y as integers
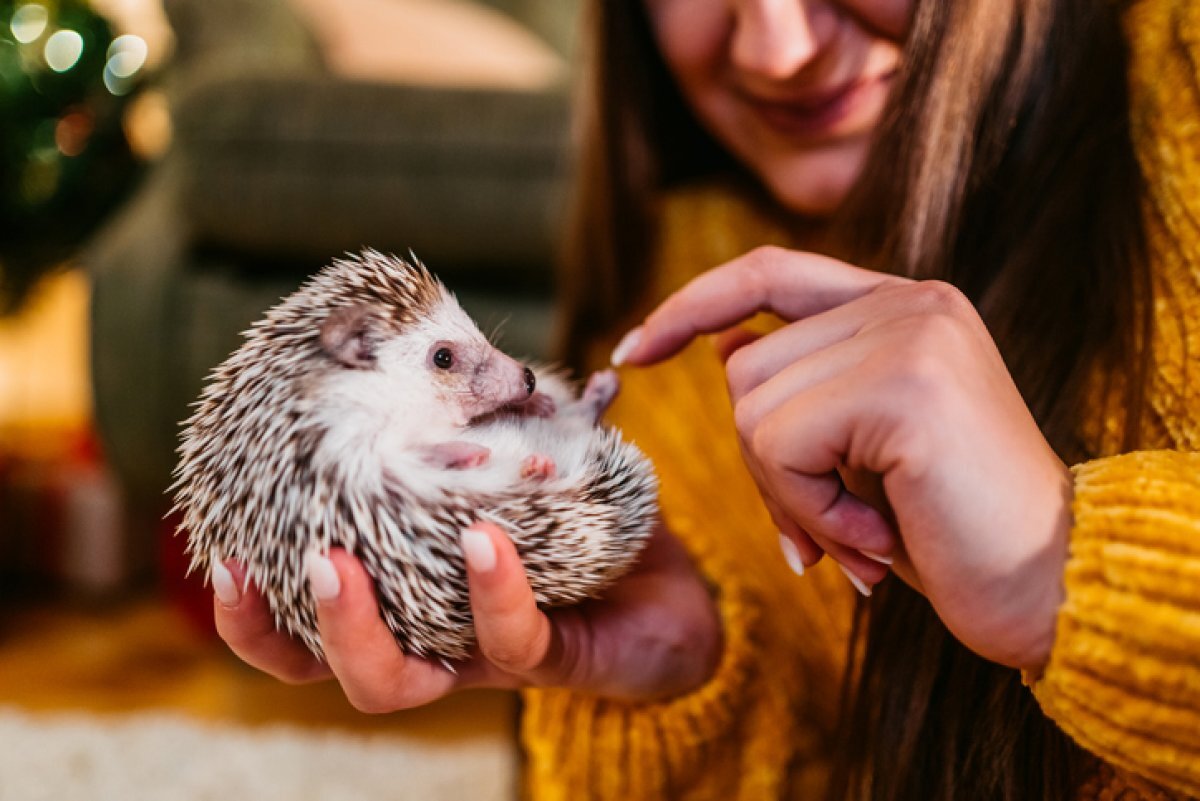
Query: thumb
{"type": "Point", "coordinates": [513, 633]}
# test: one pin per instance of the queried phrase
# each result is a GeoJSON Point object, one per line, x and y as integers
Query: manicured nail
{"type": "Point", "coordinates": [791, 555]}
{"type": "Point", "coordinates": [322, 577]}
{"type": "Point", "coordinates": [626, 346]}
{"type": "Point", "coordinates": [858, 583]}
{"type": "Point", "coordinates": [224, 587]}
{"type": "Point", "coordinates": [477, 547]}
{"type": "Point", "coordinates": [878, 557]}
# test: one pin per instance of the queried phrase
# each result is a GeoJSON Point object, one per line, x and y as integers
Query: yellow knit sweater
{"type": "Point", "coordinates": [1124, 674]}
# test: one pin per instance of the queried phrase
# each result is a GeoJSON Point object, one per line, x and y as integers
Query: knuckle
{"type": "Point", "coordinates": [745, 418]}
{"type": "Point", "coordinates": [757, 266]}
{"type": "Point", "coordinates": [918, 370]}
{"type": "Point", "coordinates": [739, 372]}
{"type": "Point", "coordinates": [512, 656]}
{"type": "Point", "coordinates": [918, 374]}
{"type": "Point", "coordinates": [932, 333]}
{"type": "Point", "coordinates": [769, 451]}
{"type": "Point", "coordinates": [939, 297]}
{"type": "Point", "coordinates": [764, 254]}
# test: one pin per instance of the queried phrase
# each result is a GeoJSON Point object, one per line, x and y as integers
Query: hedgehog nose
{"type": "Point", "coordinates": [530, 381]}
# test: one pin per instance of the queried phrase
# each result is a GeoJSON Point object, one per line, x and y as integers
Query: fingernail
{"type": "Point", "coordinates": [626, 346]}
{"type": "Point", "coordinates": [791, 555]}
{"type": "Point", "coordinates": [858, 583]}
{"type": "Point", "coordinates": [322, 577]}
{"type": "Point", "coordinates": [878, 557]}
{"type": "Point", "coordinates": [224, 587]}
{"type": "Point", "coordinates": [479, 551]}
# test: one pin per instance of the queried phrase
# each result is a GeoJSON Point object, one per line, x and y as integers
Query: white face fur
{"type": "Point", "coordinates": [422, 386]}
{"type": "Point", "coordinates": [442, 366]}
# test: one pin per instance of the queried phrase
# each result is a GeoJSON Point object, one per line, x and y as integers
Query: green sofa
{"type": "Point", "coordinates": [276, 166]}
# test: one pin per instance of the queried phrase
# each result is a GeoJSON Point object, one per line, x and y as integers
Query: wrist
{"type": "Point", "coordinates": [1050, 565]}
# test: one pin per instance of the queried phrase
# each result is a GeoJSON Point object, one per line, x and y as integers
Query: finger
{"type": "Point", "coordinates": [755, 393]}
{"type": "Point", "coordinates": [513, 633]}
{"type": "Point", "coordinates": [792, 285]}
{"type": "Point", "coordinates": [859, 320]}
{"type": "Point", "coordinates": [360, 649]}
{"type": "Point", "coordinates": [862, 571]}
{"type": "Point", "coordinates": [802, 550]}
{"type": "Point", "coordinates": [733, 339]}
{"type": "Point", "coordinates": [799, 550]}
{"type": "Point", "coordinates": [245, 623]}
{"type": "Point", "coordinates": [797, 450]}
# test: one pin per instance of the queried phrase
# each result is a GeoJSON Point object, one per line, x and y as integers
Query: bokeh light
{"type": "Point", "coordinates": [127, 55]}
{"type": "Point", "coordinates": [29, 22]}
{"type": "Point", "coordinates": [63, 50]}
{"type": "Point", "coordinates": [72, 132]}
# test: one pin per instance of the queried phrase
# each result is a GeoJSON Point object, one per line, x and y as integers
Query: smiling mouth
{"type": "Point", "coordinates": [817, 113]}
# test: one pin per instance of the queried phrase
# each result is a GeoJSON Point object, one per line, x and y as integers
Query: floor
{"type": "Point", "coordinates": [140, 655]}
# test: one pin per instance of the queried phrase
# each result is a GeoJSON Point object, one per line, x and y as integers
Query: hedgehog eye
{"type": "Point", "coordinates": [443, 358]}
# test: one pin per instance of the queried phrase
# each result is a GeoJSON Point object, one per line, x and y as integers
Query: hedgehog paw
{"type": "Point", "coordinates": [601, 389]}
{"type": "Point", "coordinates": [538, 466]}
{"type": "Point", "coordinates": [457, 455]}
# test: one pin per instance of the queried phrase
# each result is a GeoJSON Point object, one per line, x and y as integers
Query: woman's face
{"type": "Point", "coordinates": [793, 88]}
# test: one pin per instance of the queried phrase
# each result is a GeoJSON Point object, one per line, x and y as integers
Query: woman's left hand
{"type": "Point", "coordinates": [883, 381]}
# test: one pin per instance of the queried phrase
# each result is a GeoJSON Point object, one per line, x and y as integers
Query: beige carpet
{"type": "Point", "coordinates": [151, 757]}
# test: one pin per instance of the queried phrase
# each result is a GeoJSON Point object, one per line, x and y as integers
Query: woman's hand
{"type": "Point", "coordinates": [654, 634]}
{"type": "Point", "coordinates": [882, 379]}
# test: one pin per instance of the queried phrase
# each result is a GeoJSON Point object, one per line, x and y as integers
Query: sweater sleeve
{"type": "Point", "coordinates": [1124, 674]}
{"type": "Point", "coordinates": [1123, 677]}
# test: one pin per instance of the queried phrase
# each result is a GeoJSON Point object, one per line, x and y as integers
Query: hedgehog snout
{"type": "Point", "coordinates": [499, 381]}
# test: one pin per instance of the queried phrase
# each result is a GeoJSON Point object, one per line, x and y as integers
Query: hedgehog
{"type": "Point", "coordinates": [367, 411]}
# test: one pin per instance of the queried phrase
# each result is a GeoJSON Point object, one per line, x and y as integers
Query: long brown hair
{"type": "Point", "coordinates": [1003, 164]}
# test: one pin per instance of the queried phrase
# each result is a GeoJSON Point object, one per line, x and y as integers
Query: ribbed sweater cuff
{"type": "Point", "coordinates": [584, 745]}
{"type": "Point", "coordinates": [1123, 677]}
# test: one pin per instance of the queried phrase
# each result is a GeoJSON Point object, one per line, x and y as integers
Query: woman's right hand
{"type": "Point", "coordinates": [654, 634]}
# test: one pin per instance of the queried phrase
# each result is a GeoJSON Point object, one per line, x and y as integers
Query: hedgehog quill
{"type": "Point", "coordinates": [368, 411]}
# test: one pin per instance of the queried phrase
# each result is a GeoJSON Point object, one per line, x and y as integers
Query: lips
{"type": "Point", "coordinates": [818, 112]}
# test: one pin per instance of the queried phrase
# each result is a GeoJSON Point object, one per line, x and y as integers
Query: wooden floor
{"type": "Point", "coordinates": [141, 655]}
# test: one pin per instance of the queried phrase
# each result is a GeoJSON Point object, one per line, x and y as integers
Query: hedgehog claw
{"type": "Point", "coordinates": [538, 466]}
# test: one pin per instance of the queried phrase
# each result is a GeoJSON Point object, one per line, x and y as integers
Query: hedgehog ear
{"type": "Point", "coordinates": [348, 335]}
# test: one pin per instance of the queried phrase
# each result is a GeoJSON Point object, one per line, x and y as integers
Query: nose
{"type": "Point", "coordinates": [530, 381]}
{"type": "Point", "coordinates": [775, 39]}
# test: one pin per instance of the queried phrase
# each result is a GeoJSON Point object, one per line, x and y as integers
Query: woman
{"type": "Point", "coordinates": [1028, 229]}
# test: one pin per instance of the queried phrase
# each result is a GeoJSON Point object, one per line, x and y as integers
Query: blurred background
{"type": "Point", "coordinates": [168, 170]}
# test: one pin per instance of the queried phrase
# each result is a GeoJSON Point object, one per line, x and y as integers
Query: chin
{"type": "Point", "coordinates": [815, 201]}
{"type": "Point", "coordinates": [814, 186]}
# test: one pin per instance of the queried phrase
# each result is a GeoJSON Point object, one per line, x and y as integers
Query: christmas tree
{"type": "Point", "coordinates": [65, 79]}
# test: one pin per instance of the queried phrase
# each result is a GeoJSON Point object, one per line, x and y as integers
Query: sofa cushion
{"type": "Point", "coordinates": [307, 167]}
